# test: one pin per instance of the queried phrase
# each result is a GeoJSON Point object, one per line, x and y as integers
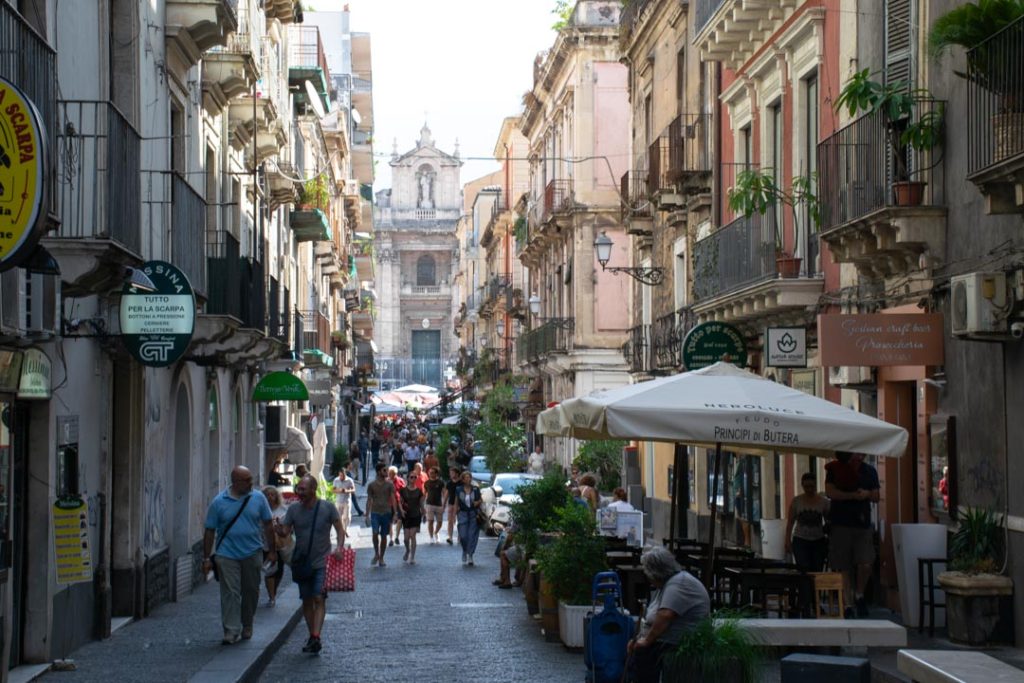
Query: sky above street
{"type": "Point", "coordinates": [462, 64]}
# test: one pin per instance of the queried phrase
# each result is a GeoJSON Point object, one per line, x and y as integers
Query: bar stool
{"type": "Point", "coordinates": [828, 587]}
{"type": "Point", "coordinates": [928, 563]}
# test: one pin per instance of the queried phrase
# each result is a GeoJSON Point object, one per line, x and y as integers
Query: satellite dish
{"type": "Point", "coordinates": [314, 100]}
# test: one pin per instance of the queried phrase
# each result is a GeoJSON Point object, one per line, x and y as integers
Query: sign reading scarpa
{"type": "Point", "coordinates": [786, 347]}
{"type": "Point", "coordinates": [157, 326]}
{"type": "Point", "coordinates": [708, 343]}
{"type": "Point", "coordinates": [22, 175]}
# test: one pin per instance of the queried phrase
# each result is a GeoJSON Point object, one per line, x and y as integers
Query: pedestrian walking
{"type": "Point", "coordinates": [311, 519]}
{"type": "Point", "coordinates": [344, 490]}
{"type": "Point", "coordinates": [434, 490]}
{"type": "Point", "coordinates": [430, 459]}
{"type": "Point", "coordinates": [468, 500]}
{"type": "Point", "coordinates": [399, 484]}
{"type": "Point", "coordinates": [535, 463]}
{"type": "Point", "coordinates": [412, 455]}
{"type": "Point", "coordinates": [417, 477]}
{"type": "Point", "coordinates": [282, 544]}
{"type": "Point", "coordinates": [588, 491]}
{"type": "Point", "coordinates": [805, 528]}
{"type": "Point", "coordinates": [375, 444]}
{"type": "Point", "coordinates": [397, 454]}
{"type": "Point", "coordinates": [852, 486]}
{"type": "Point", "coordinates": [451, 496]}
{"type": "Point", "coordinates": [412, 499]}
{"type": "Point", "coordinates": [354, 454]}
{"type": "Point", "coordinates": [355, 497]}
{"type": "Point", "coordinates": [240, 520]}
{"type": "Point", "coordinates": [380, 503]}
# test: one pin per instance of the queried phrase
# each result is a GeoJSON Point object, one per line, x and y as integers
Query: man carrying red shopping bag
{"type": "Point", "coordinates": [311, 519]}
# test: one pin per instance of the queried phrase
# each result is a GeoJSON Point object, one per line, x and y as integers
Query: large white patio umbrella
{"type": "Point", "coordinates": [722, 405]}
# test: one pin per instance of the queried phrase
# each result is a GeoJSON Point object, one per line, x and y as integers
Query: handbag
{"type": "Point", "coordinates": [213, 555]}
{"type": "Point", "coordinates": [302, 565]}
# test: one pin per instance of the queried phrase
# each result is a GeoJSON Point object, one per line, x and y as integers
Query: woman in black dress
{"type": "Point", "coordinates": [412, 500]}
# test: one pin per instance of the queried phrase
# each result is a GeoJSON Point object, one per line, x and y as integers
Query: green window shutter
{"type": "Point", "coordinates": [900, 41]}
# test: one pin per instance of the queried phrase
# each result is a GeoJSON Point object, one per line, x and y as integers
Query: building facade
{"type": "Point", "coordinates": [417, 259]}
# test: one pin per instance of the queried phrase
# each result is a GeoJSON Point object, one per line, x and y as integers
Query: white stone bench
{"type": "Point", "coordinates": [955, 666]}
{"type": "Point", "coordinates": [826, 632]}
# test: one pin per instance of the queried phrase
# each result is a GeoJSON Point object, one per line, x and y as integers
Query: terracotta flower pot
{"type": "Point", "coordinates": [787, 266]}
{"type": "Point", "coordinates": [909, 192]}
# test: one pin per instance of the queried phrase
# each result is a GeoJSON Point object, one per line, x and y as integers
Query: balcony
{"type": "Point", "coordinates": [636, 204]}
{"type": "Point", "coordinates": [736, 276]}
{"type": "Point", "coordinates": [188, 232]}
{"type": "Point", "coordinates": [862, 221]}
{"type": "Point", "coordinates": [265, 117]}
{"type": "Point", "coordinates": [553, 336]}
{"type": "Point", "coordinates": [195, 26]}
{"type": "Point", "coordinates": [495, 294]}
{"type": "Point", "coordinates": [310, 225]}
{"type": "Point", "coordinates": [558, 197]}
{"type": "Point", "coordinates": [637, 350]}
{"type": "Point", "coordinates": [313, 337]}
{"type": "Point", "coordinates": [499, 208]}
{"type": "Point", "coordinates": [232, 69]}
{"type": "Point", "coordinates": [731, 31]}
{"type": "Point", "coordinates": [285, 11]}
{"type": "Point", "coordinates": [363, 254]}
{"type": "Point", "coordinates": [307, 62]}
{"type": "Point", "coordinates": [689, 158]}
{"type": "Point", "coordinates": [667, 334]}
{"type": "Point", "coordinates": [995, 119]}
{"type": "Point", "coordinates": [426, 291]}
{"type": "Point", "coordinates": [99, 200]}
{"type": "Point", "coordinates": [284, 189]}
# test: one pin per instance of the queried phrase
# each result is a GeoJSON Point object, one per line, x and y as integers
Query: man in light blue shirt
{"type": "Point", "coordinates": [239, 551]}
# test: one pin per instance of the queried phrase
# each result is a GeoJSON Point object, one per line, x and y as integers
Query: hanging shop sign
{"type": "Point", "coordinates": [786, 347]}
{"type": "Point", "coordinates": [157, 326]}
{"type": "Point", "coordinates": [881, 339]}
{"type": "Point", "coordinates": [71, 541]}
{"type": "Point", "coordinates": [280, 386]}
{"type": "Point", "coordinates": [23, 161]}
{"type": "Point", "coordinates": [35, 376]}
{"type": "Point", "coordinates": [708, 343]}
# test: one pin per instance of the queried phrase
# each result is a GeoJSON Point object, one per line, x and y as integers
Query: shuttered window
{"type": "Point", "coordinates": [900, 40]}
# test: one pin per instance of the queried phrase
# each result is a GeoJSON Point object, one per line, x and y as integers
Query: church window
{"type": "Point", "coordinates": [426, 271]}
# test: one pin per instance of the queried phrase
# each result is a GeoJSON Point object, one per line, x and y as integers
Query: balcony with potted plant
{"type": "Point", "coordinates": [881, 179]}
{"type": "Point", "coordinates": [310, 220]}
{"type": "Point", "coordinates": [750, 271]}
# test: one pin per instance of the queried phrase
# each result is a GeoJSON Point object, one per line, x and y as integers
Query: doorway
{"type": "Point", "coordinates": [182, 457]}
{"type": "Point", "coordinates": [13, 502]}
{"type": "Point", "coordinates": [426, 357]}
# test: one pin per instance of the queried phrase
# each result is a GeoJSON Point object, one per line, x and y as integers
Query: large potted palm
{"type": "Point", "coordinates": [975, 586]}
{"type": "Point", "coordinates": [994, 64]}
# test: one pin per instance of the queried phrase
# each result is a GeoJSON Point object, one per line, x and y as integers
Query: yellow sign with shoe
{"type": "Point", "coordinates": [22, 175]}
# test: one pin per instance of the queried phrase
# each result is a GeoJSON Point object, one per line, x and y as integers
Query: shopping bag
{"type": "Point", "coordinates": [340, 575]}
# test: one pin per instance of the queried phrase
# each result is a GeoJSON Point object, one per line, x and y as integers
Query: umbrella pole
{"type": "Point", "coordinates": [676, 469]}
{"type": "Point", "coordinates": [709, 569]}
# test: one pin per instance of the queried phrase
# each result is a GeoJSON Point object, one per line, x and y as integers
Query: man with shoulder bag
{"type": "Point", "coordinates": [312, 521]}
{"type": "Point", "coordinates": [240, 520]}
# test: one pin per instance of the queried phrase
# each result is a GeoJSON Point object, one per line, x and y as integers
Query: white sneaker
{"type": "Point", "coordinates": [470, 563]}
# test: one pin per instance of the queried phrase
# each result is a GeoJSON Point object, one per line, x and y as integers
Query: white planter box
{"type": "Point", "coordinates": [571, 621]}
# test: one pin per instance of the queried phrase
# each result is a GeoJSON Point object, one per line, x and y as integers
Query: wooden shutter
{"type": "Point", "coordinates": [900, 40]}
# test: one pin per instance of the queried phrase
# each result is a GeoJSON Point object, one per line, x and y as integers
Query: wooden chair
{"type": "Point", "coordinates": [828, 589]}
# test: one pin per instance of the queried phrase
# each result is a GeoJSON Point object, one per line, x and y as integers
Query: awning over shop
{"type": "Point", "coordinates": [280, 386]}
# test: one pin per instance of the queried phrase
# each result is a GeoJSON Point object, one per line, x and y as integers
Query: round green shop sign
{"type": "Point", "coordinates": [708, 343]}
{"type": "Point", "coordinates": [157, 326]}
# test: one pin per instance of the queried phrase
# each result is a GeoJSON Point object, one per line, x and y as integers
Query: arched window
{"type": "Point", "coordinates": [426, 275]}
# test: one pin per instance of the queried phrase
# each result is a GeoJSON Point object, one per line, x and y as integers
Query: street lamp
{"type": "Point", "coordinates": [644, 275]}
{"type": "Point", "coordinates": [534, 304]}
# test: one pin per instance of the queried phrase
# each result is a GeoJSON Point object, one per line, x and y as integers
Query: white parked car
{"type": "Point", "coordinates": [497, 498]}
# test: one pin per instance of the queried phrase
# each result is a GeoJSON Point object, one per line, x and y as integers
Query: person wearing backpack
{"type": "Point", "coordinates": [240, 519]}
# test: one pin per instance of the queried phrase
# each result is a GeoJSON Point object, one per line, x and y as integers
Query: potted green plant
{"type": "Point", "coordinates": [339, 459]}
{"type": "Point", "coordinates": [907, 127]}
{"type": "Point", "coordinates": [716, 649]}
{"type": "Point", "coordinates": [569, 564]}
{"type": "Point", "coordinates": [974, 584]}
{"type": "Point", "coordinates": [993, 65]}
{"type": "Point", "coordinates": [534, 518]}
{"type": "Point", "coordinates": [314, 193]}
{"type": "Point", "coordinates": [757, 191]}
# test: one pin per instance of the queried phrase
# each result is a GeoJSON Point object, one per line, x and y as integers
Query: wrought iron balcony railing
{"type": "Point", "coordinates": [188, 231]}
{"type": "Point", "coordinates": [634, 195]}
{"type": "Point", "coordinates": [704, 11]}
{"type": "Point", "coordinates": [689, 146]}
{"type": "Point", "coordinates": [860, 164]}
{"type": "Point", "coordinates": [553, 336]}
{"type": "Point", "coordinates": [99, 191]}
{"type": "Point", "coordinates": [557, 197]}
{"type": "Point", "coordinates": [637, 349]}
{"type": "Point", "coordinates": [741, 253]}
{"type": "Point", "coordinates": [667, 334]}
{"type": "Point", "coordinates": [314, 331]}
{"type": "Point", "coordinates": [995, 102]}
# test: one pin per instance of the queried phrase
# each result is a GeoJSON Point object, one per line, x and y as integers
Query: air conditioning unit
{"type": "Point", "coordinates": [275, 423]}
{"type": "Point", "coordinates": [850, 375]}
{"type": "Point", "coordinates": [979, 304]}
{"type": "Point", "coordinates": [29, 303]}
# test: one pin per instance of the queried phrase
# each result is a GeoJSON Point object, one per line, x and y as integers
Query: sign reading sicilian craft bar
{"type": "Point", "coordinates": [157, 326]}
{"type": "Point", "coordinates": [881, 339]}
{"type": "Point", "coordinates": [22, 175]}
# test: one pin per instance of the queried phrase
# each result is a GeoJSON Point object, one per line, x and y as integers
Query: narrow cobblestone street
{"type": "Point", "coordinates": [432, 621]}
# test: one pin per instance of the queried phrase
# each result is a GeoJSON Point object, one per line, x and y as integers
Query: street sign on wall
{"type": "Point", "coordinates": [23, 163]}
{"type": "Point", "coordinates": [708, 343]}
{"type": "Point", "coordinates": [157, 326]}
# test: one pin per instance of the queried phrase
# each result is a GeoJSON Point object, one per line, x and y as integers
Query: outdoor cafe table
{"type": "Point", "coordinates": [635, 587]}
{"type": "Point", "coordinates": [753, 586]}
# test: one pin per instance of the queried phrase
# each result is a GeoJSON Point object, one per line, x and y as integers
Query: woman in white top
{"type": "Point", "coordinates": [284, 544]}
{"type": "Point", "coordinates": [805, 529]}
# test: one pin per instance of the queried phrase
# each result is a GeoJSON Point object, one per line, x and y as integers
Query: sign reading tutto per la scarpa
{"type": "Point", "coordinates": [23, 160]}
{"type": "Point", "coordinates": [157, 326]}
